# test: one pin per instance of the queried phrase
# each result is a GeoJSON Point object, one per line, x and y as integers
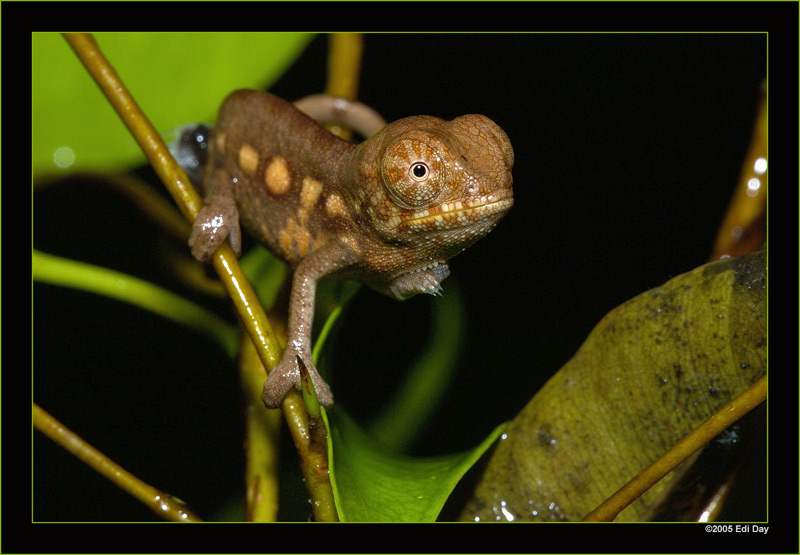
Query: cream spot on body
{"type": "Point", "coordinates": [277, 176]}
{"type": "Point", "coordinates": [248, 159]}
{"type": "Point", "coordinates": [335, 207]}
{"type": "Point", "coordinates": [310, 192]}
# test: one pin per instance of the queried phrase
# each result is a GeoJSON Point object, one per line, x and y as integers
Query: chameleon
{"type": "Point", "coordinates": [388, 212]}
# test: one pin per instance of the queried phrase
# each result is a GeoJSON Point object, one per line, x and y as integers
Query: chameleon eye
{"type": "Point", "coordinates": [419, 171]}
{"type": "Point", "coordinates": [413, 172]}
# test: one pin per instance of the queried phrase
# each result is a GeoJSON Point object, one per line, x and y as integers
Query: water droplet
{"type": "Point", "coordinates": [63, 157]}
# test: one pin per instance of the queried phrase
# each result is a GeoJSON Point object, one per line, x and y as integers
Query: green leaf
{"type": "Point", "coordinates": [332, 297]}
{"type": "Point", "coordinates": [371, 484]}
{"type": "Point", "coordinates": [116, 285]}
{"type": "Point", "coordinates": [652, 370]}
{"type": "Point", "coordinates": [177, 78]}
{"type": "Point", "coordinates": [404, 416]}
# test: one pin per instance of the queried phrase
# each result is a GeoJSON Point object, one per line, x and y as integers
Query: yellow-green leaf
{"type": "Point", "coordinates": [177, 78]}
{"type": "Point", "coordinates": [650, 372]}
{"type": "Point", "coordinates": [138, 292]}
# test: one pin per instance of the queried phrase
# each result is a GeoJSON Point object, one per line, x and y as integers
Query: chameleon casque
{"type": "Point", "coordinates": [388, 212]}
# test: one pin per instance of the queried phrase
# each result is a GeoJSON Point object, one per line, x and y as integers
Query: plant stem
{"type": "Point", "coordinates": [171, 174]}
{"type": "Point", "coordinates": [344, 65]}
{"type": "Point", "coordinates": [691, 442]}
{"type": "Point", "coordinates": [261, 440]}
{"type": "Point", "coordinates": [159, 502]}
{"type": "Point", "coordinates": [344, 68]}
{"type": "Point", "coordinates": [174, 178]}
{"type": "Point", "coordinates": [251, 313]}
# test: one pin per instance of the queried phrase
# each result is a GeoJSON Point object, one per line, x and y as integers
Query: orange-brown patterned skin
{"type": "Point", "coordinates": [388, 212]}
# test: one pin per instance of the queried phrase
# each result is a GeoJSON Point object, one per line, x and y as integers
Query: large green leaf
{"type": "Point", "coordinates": [650, 372]}
{"type": "Point", "coordinates": [372, 481]}
{"type": "Point", "coordinates": [373, 485]}
{"type": "Point", "coordinates": [176, 78]}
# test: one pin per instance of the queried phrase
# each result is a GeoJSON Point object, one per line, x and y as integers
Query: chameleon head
{"type": "Point", "coordinates": [443, 183]}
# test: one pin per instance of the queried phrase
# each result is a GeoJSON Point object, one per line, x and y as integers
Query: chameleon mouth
{"type": "Point", "coordinates": [460, 213]}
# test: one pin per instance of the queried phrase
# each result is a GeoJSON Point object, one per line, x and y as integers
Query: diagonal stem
{"type": "Point", "coordinates": [159, 502]}
{"type": "Point", "coordinates": [691, 442]}
{"type": "Point", "coordinates": [225, 263]}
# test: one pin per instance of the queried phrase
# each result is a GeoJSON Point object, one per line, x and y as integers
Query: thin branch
{"type": "Point", "coordinates": [171, 174]}
{"type": "Point", "coordinates": [177, 183]}
{"type": "Point", "coordinates": [344, 67]}
{"type": "Point", "coordinates": [225, 263]}
{"type": "Point", "coordinates": [163, 504]}
{"type": "Point", "coordinates": [262, 428]}
{"type": "Point", "coordinates": [691, 442]}
{"type": "Point", "coordinates": [174, 178]}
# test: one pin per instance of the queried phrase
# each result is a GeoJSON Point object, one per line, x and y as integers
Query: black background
{"type": "Point", "coordinates": [628, 148]}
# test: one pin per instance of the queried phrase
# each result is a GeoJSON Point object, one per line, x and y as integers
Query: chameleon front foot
{"type": "Point", "coordinates": [287, 375]}
{"type": "Point", "coordinates": [427, 281]}
{"type": "Point", "coordinates": [218, 220]}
